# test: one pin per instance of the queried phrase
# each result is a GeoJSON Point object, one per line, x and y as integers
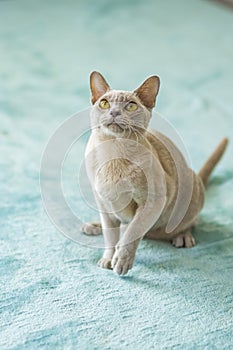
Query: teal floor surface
{"type": "Point", "coordinates": [53, 296]}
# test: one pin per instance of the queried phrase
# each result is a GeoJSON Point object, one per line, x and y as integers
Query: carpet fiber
{"type": "Point", "coordinates": [52, 293]}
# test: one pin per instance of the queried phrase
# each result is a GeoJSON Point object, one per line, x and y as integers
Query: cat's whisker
{"type": "Point", "coordinates": [131, 129]}
{"type": "Point", "coordinates": [135, 133]}
{"type": "Point", "coordinates": [141, 134]}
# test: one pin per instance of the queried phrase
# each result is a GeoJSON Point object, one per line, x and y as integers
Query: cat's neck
{"type": "Point", "coordinates": [136, 136]}
{"type": "Point", "coordinates": [108, 147]}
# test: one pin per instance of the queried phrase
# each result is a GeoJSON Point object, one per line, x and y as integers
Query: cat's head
{"type": "Point", "coordinates": [119, 113]}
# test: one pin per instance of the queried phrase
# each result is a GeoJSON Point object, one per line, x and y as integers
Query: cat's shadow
{"type": "Point", "coordinates": [217, 180]}
{"type": "Point", "coordinates": [208, 232]}
{"type": "Point", "coordinates": [208, 235]}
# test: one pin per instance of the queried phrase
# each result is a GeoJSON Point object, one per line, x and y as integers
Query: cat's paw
{"type": "Point", "coordinates": [92, 228]}
{"type": "Point", "coordinates": [122, 261]}
{"type": "Point", "coordinates": [184, 240]}
{"type": "Point", "coordinates": [105, 263]}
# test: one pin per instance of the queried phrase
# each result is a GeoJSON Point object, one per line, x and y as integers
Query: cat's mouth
{"type": "Point", "coordinates": [113, 125]}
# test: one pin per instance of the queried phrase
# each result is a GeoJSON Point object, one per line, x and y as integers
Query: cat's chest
{"type": "Point", "coordinates": [115, 170]}
{"type": "Point", "coordinates": [114, 179]}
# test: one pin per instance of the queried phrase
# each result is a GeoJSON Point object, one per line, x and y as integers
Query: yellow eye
{"type": "Point", "coordinates": [131, 106]}
{"type": "Point", "coordinates": [104, 104]}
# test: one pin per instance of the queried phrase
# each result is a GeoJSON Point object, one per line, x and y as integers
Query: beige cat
{"type": "Point", "coordinates": [138, 176]}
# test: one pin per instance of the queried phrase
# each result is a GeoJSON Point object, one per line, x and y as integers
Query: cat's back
{"type": "Point", "coordinates": [170, 157]}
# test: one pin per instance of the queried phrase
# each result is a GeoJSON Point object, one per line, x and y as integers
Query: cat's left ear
{"type": "Point", "coordinates": [98, 85]}
{"type": "Point", "coordinates": [148, 91]}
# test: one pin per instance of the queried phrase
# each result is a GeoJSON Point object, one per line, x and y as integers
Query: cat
{"type": "Point", "coordinates": [138, 174]}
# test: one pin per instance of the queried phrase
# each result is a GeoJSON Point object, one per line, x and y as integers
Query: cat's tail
{"type": "Point", "coordinates": [209, 165]}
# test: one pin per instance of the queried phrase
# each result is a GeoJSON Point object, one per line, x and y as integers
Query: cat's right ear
{"type": "Point", "coordinates": [98, 86]}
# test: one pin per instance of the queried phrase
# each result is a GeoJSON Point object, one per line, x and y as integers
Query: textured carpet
{"type": "Point", "coordinates": [52, 293]}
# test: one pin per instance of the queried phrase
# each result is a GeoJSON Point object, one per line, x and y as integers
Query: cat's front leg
{"type": "Point", "coordinates": [145, 216]}
{"type": "Point", "coordinates": [125, 249]}
{"type": "Point", "coordinates": [124, 256]}
{"type": "Point", "coordinates": [111, 233]}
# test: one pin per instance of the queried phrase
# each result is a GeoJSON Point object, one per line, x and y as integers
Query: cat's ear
{"type": "Point", "coordinates": [148, 91]}
{"type": "Point", "coordinates": [98, 86]}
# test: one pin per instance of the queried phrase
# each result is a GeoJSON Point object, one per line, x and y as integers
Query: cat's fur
{"type": "Point", "coordinates": [137, 175]}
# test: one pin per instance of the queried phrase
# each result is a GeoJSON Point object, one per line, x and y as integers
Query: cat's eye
{"type": "Point", "coordinates": [104, 104]}
{"type": "Point", "coordinates": [131, 106]}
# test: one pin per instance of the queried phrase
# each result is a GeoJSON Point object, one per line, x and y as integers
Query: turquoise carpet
{"type": "Point", "coordinates": [53, 296]}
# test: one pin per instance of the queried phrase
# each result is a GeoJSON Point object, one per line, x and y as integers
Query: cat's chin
{"type": "Point", "coordinates": [112, 129]}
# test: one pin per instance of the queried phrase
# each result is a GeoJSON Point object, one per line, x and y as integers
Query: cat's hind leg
{"type": "Point", "coordinates": [184, 240]}
{"type": "Point", "coordinates": [92, 228]}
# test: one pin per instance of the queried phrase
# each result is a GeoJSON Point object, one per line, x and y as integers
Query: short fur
{"type": "Point", "coordinates": [136, 174]}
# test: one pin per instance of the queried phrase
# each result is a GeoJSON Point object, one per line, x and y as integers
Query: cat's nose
{"type": "Point", "coordinates": [115, 112]}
